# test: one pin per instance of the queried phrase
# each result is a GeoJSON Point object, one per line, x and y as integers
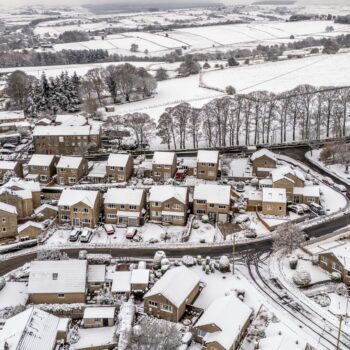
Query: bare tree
{"type": "Point", "coordinates": [95, 82]}
{"type": "Point", "coordinates": [287, 237]}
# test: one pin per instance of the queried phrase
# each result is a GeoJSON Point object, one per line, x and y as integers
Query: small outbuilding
{"type": "Point", "coordinates": [98, 316]}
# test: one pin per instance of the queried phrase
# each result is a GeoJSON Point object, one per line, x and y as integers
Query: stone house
{"type": "Point", "coordinates": [168, 204]}
{"type": "Point", "coordinates": [207, 165]}
{"type": "Point", "coordinates": [13, 166]}
{"type": "Point", "coordinates": [125, 206]}
{"type": "Point", "coordinates": [254, 200]}
{"type": "Point", "coordinates": [71, 170]}
{"type": "Point", "coordinates": [163, 166]}
{"type": "Point", "coordinates": [79, 208]}
{"type": "Point", "coordinates": [66, 139]}
{"type": "Point", "coordinates": [274, 201]}
{"type": "Point", "coordinates": [57, 282]}
{"type": "Point", "coordinates": [8, 221]}
{"type": "Point", "coordinates": [30, 229]}
{"type": "Point", "coordinates": [45, 211]}
{"type": "Point", "coordinates": [120, 167]}
{"type": "Point", "coordinates": [212, 200]}
{"type": "Point", "coordinates": [263, 162]}
{"type": "Point", "coordinates": [307, 194]}
{"type": "Point", "coordinates": [168, 298]}
{"type": "Point", "coordinates": [43, 165]}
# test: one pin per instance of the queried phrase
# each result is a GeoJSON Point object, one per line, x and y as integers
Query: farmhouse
{"type": "Point", "coordinates": [168, 298]}
{"type": "Point", "coordinates": [163, 165]}
{"type": "Point", "coordinates": [57, 282]}
{"type": "Point", "coordinates": [207, 165]}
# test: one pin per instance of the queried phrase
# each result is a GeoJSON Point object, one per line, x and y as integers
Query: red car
{"type": "Point", "coordinates": [180, 174]}
{"type": "Point", "coordinates": [109, 229]}
{"type": "Point", "coordinates": [131, 232]}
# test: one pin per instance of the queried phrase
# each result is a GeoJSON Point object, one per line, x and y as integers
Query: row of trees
{"type": "Point", "coordinates": [258, 117]}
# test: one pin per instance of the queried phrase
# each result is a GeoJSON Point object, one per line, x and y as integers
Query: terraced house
{"type": "Point", "coordinates": [125, 206]}
{"type": "Point", "coordinates": [71, 169]}
{"type": "Point", "coordinates": [119, 167]}
{"type": "Point", "coordinates": [43, 165]}
{"type": "Point", "coordinates": [207, 165]}
{"type": "Point", "coordinates": [168, 204]}
{"type": "Point", "coordinates": [79, 208]}
{"type": "Point", "coordinates": [163, 166]}
{"type": "Point", "coordinates": [66, 140]}
{"type": "Point", "coordinates": [212, 200]}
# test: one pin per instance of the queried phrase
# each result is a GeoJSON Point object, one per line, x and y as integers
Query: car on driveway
{"type": "Point", "coordinates": [74, 235]}
{"type": "Point", "coordinates": [109, 229]}
{"type": "Point", "coordinates": [131, 232]}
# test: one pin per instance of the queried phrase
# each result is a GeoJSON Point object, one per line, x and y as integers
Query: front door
{"type": "Point", "coordinates": [76, 222]}
{"type": "Point", "coordinates": [105, 322]}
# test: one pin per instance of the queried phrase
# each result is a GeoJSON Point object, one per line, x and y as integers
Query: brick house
{"type": "Point", "coordinates": [57, 282]}
{"type": "Point", "coordinates": [212, 200]}
{"type": "Point", "coordinates": [125, 206]}
{"type": "Point", "coordinates": [207, 165]}
{"type": "Point", "coordinates": [66, 140]}
{"type": "Point", "coordinates": [120, 167]}
{"type": "Point", "coordinates": [168, 298]}
{"type": "Point", "coordinates": [168, 204]}
{"type": "Point", "coordinates": [12, 166]}
{"type": "Point", "coordinates": [79, 208]}
{"type": "Point", "coordinates": [263, 162]}
{"type": "Point", "coordinates": [163, 166]}
{"type": "Point", "coordinates": [223, 324]}
{"type": "Point", "coordinates": [71, 169]}
{"type": "Point", "coordinates": [8, 221]}
{"type": "Point", "coordinates": [274, 201]}
{"type": "Point", "coordinates": [43, 165]}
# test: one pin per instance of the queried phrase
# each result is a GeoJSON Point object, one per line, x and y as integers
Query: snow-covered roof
{"type": "Point", "coordinates": [8, 208]}
{"type": "Point", "coordinates": [29, 224]}
{"type": "Point", "coordinates": [46, 121]}
{"type": "Point", "coordinates": [96, 273]}
{"type": "Point", "coordinates": [139, 276]}
{"type": "Point", "coordinates": [207, 156]}
{"type": "Point", "coordinates": [164, 193]}
{"type": "Point", "coordinates": [99, 312]}
{"type": "Point", "coordinates": [274, 195]}
{"type": "Point", "coordinates": [41, 159]}
{"type": "Point", "coordinates": [45, 206]}
{"type": "Point", "coordinates": [69, 162]}
{"type": "Point", "coordinates": [70, 197]}
{"type": "Point", "coordinates": [62, 130]}
{"type": "Point", "coordinates": [99, 170]}
{"type": "Point", "coordinates": [118, 160]}
{"type": "Point", "coordinates": [283, 171]}
{"type": "Point", "coordinates": [255, 195]}
{"type": "Point", "coordinates": [7, 165]}
{"type": "Point", "coordinates": [121, 282]}
{"type": "Point", "coordinates": [30, 329]}
{"type": "Point", "coordinates": [63, 276]}
{"type": "Point", "coordinates": [216, 194]}
{"type": "Point", "coordinates": [172, 213]}
{"type": "Point", "coordinates": [124, 196]}
{"type": "Point", "coordinates": [16, 182]}
{"type": "Point", "coordinates": [129, 214]}
{"type": "Point", "coordinates": [230, 315]}
{"type": "Point", "coordinates": [71, 119]}
{"type": "Point", "coordinates": [11, 115]}
{"type": "Point", "coordinates": [263, 152]}
{"type": "Point", "coordinates": [281, 342]}
{"type": "Point", "coordinates": [163, 158]}
{"type": "Point", "coordinates": [308, 191]}
{"type": "Point", "coordinates": [175, 285]}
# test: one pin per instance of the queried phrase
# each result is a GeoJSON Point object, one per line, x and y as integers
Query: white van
{"type": "Point", "coordinates": [86, 236]}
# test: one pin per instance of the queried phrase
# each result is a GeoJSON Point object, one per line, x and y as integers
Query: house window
{"type": "Point", "coordinates": [122, 206]}
{"type": "Point", "coordinates": [60, 295]}
{"type": "Point", "coordinates": [121, 168]}
{"type": "Point", "coordinates": [177, 206]}
{"type": "Point", "coordinates": [202, 172]}
{"type": "Point", "coordinates": [156, 213]}
{"type": "Point", "coordinates": [336, 267]}
{"type": "Point", "coordinates": [156, 204]}
{"type": "Point", "coordinates": [269, 207]}
{"type": "Point", "coordinates": [200, 201]}
{"type": "Point", "coordinates": [112, 168]}
{"type": "Point", "coordinates": [211, 205]}
{"type": "Point", "coordinates": [152, 303]}
{"type": "Point", "coordinates": [201, 333]}
{"type": "Point", "coordinates": [167, 308]}
{"type": "Point", "coordinates": [64, 218]}
{"type": "Point", "coordinates": [200, 211]}
{"type": "Point", "coordinates": [132, 207]}
{"type": "Point", "coordinates": [85, 210]}
{"type": "Point", "coordinates": [167, 206]}
{"type": "Point", "coordinates": [55, 276]}
{"type": "Point", "coordinates": [65, 207]}
{"type": "Point", "coordinates": [3, 219]}
{"type": "Point", "coordinates": [71, 180]}
{"type": "Point", "coordinates": [85, 221]}
{"type": "Point", "coordinates": [222, 206]}
{"type": "Point", "coordinates": [111, 206]}
{"type": "Point", "coordinates": [111, 216]}
{"type": "Point", "coordinates": [280, 208]}
{"type": "Point", "coordinates": [4, 229]}
{"type": "Point", "coordinates": [323, 259]}
{"type": "Point", "coordinates": [75, 210]}
{"type": "Point", "coordinates": [121, 177]}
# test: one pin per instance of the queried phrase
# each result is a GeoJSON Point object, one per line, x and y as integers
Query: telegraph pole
{"type": "Point", "coordinates": [233, 252]}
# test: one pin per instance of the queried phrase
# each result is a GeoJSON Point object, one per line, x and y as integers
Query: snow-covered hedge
{"type": "Point", "coordinates": [302, 278]}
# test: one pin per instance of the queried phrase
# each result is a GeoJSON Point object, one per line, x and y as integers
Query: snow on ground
{"type": "Point", "coordinates": [339, 304]}
{"type": "Point", "coordinates": [94, 337]}
{"type": "Point", "coordinates": [284, 75]}
{"type": "Point", "coordinates": [205, 233]}
{"type": "Point", "coordinates": [331, 200]}
{"type": "Point", "coordinates": [13, 294]}
{"type": "Point", "coordinates": [157, 232]}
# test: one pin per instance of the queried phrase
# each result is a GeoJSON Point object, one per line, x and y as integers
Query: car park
{"type": "Point", "coordinates": [86, 236]}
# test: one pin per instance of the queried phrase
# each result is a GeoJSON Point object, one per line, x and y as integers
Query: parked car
{"type": "Point", "coordinates": [86, 236]}
{"type": "Point", "coordinates": [242, 218]}
{"type": "Point", "coordinates": [181, 174]}
{"type": "Point", "coordinates": [317, 208]}
{"type": "Point", "coordinates": [131, 232]}
{"type": "Point", "coordinates": [296, 209]}
{"type": "Point", "coordinates": [109, 229]}
{"type": "Point", "coordinates": [74, 235]}
{"type": "Point", "coordinates": [340, 188]}
{"type": "Point", "coordinates": [328, 181]}
{"type": "Point", "coordinates": [240, 187]}
{"type": "Point", "coordinates": [305, 207]}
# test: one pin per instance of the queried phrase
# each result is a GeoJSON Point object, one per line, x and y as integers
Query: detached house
{"type": "Point", "coordinates": [168, 298]}
{"type": "Point", "coordinates": [71, 169]}
{"type": "Point", "coordinates": [42, 165]}
{"type": "Point", "coordinates": [125, 206]}
{"type": "Point", "coordinates": [120, 167]}
{"type": "Point", "coordinates": [12, 166]}
{"type": "Point", "coordinates": [263, 162]}
{"type": "Point", "coordinates": [8, 221]}
{"type": "Point", "coordinates": [168, 204]}
{"type": "Point", "coordinates": [57, 282]}
{"type": "Point", "coordinates": [212, 200]}
{"type": "Point", "coordinates": [207, 165]}
{"type": "Point", "coordinates": [79, 207]}
{"type": "Point", "coordinates": [223, 324]}
{"type": "Point", "coordinates": [274, 201]}
{"type": "Point", "coordinates": [163, 165]}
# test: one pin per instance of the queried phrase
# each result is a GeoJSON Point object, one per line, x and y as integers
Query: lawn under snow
{"type": "Point", "coordinates": [13, 294]}
{"type": "Point", "coordinates": [320, 70]}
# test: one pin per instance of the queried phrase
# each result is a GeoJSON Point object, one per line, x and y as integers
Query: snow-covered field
{"type": "Point", "coordinates": [323, 70]}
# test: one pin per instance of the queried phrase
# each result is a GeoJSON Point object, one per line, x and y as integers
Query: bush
{"type": "Point", "coordinates": [302, 278]}
{"type": "Point", "coordinates": [188, 260]}
{"type": "Point", "coordinates": [342, 289]}
{"type": "Point", "coordinates": [158, 256]}
{"type": "Point", "coordinates": [335, 276]}
{"type": "Point", "coordinates": [224, 264]}
{"type": "Point", "coordinates": [293, 262]}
